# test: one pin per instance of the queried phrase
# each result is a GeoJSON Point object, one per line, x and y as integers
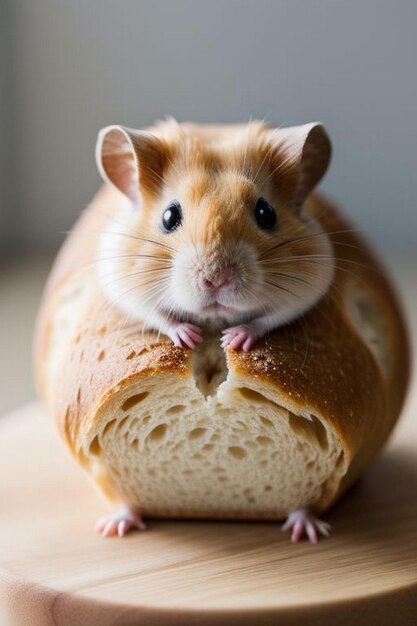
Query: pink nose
{"type": "Point", "coordinates": [217, 281]}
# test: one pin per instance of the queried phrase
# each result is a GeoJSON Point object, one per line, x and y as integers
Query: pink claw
{"type": "Point", "coordinates": [119, 523]}
{"type": "Point", "coordinates": [301, 521]}
{"type": "Point", "coordinates": [239, 337]}
{"type": "Point", "coordinates": [185, 335]}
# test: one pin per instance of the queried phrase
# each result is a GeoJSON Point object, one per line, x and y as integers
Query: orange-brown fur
{"type": "Point", "coordinates": [217, 174]}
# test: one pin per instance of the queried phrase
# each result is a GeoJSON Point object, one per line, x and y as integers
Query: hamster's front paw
{"type": "Point", "coordinates": [185, 335]}
{"type": "Point", "coordinates": [241, 337]}
{"type": "Point", "coordinates": [119, 522]}
{"type": "Point", "coordinates": [301, 521]}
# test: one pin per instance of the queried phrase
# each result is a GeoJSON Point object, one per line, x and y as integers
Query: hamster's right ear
{"type": "Point", "coordinates": [132, 160]}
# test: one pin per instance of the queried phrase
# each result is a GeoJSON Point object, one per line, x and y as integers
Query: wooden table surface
{"type": "Point", "coordinates": [54, 570]}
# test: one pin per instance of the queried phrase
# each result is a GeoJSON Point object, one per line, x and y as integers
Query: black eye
{"type": "Point", "coordinates": [265, 215]}
{"type": "Point", "coordinates": [172, 217]}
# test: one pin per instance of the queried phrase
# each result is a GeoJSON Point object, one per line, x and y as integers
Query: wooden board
{"type": "Point", "coordinates": [54, 570]}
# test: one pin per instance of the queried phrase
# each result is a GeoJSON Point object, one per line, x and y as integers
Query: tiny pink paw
{"type": "Point", "coordinates": [240, 337]}
{"type": "Point", "coordinates": [302, 522]}
{"type": "Point", "coordinates": [185, 335]}
{"type": "Point", "coordinates": [119, 523]}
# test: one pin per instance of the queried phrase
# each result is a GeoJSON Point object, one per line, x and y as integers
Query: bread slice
{"type": "Point", "coordinates": [216, 434]}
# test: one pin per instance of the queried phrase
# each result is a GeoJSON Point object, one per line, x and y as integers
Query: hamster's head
{"type": "Point", "coordinates": [213, 230]}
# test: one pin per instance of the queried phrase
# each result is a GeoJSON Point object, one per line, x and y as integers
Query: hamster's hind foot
{"type": "Point", "coordinates": [302, 522]}
{"type": "Point", "coordinates": [120, 522]}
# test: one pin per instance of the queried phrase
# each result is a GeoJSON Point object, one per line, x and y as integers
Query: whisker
{"type": "Point", "coordinates": [263, 307]}
{"type": "Point", "coordinates": [281, 288]}
{"type": "Point", "coordinates": [317, 258]}
{"type": "Point", "coordinates": [131, 274]}
{"type": "Point", "coordinates": [297, 279]}
{"type": "Point", "coordinates": [118, 257]}
{"type": "Point", "coordinates": [331, 287]}
{"type": "Point", "coordinates": [288, 242]}
{"type": "Point", "coordinates": [90, 264]}
{"type": "Point", "coordinates": [133, 254]}
{"type": "Point", "coordinates": [127, 235]}
{"type": "Point", "coordinates": [315, 308]}
{"type": "Point", "coordinates": [147, 324]}
{"type": "Point", "coordinates": [144, 297]}
{"type": "Point", "coordinates": [323, 293]}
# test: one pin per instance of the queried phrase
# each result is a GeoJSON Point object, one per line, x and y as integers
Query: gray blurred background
{"type": "Point", "coordinates": [68, 68]}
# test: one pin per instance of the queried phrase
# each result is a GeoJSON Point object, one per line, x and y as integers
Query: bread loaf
{"type": "Point", "coordinates": [223, 434]}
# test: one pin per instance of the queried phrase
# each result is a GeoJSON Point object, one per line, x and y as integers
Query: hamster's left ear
{"type": "Point", "coordinates": [302, 157]}
{"type": "Point", "coordinates": [132, 160]}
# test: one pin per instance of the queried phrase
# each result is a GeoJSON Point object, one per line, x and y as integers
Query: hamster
{"type": "Point", "coordinates": [213, 236]}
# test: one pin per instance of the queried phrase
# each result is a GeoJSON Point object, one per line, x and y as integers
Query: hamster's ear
{"type": "Point", "coordinates": [130, 159]}
{"type": "Point", "coordinates": [302, 156]}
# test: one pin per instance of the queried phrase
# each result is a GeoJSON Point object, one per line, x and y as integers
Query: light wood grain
{"type": "Point", "coordinates": [55, 570]}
